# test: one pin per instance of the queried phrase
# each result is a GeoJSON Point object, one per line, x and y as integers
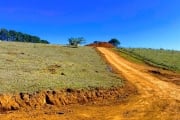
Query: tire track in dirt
{"type": "Point", "coordinates": [147, 84]}
{"type": "Point", "coordinates": [157, 99]}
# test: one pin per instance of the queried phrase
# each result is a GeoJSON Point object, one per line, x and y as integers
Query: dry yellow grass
{"type": "Point", "coordinates": [27, 67]}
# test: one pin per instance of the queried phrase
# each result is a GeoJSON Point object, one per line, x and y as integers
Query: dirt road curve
{"type": "Point", "coordinates": [157, 100]}
{"type": "Point", "coordinates": [147, 85]}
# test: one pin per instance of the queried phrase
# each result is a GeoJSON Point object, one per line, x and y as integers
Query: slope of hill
{"type": "Point", "coordinates": [167, 59]}
{"type": "Point", "coordinates": [155, 99]}
{"type": "Point", "coordinates": [27, 67]}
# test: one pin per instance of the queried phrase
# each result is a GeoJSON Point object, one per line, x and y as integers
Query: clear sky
{"type": "Point", "coordinates": [136, 23]}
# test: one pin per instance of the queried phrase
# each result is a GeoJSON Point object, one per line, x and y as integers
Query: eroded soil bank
{"type": "Point", "coordinates": [10, 102]}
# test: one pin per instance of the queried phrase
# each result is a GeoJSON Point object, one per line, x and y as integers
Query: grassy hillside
{"type": "Point", "coordinates": [168, 59]}
{"type": "Point", "coordinates": [27, 67]}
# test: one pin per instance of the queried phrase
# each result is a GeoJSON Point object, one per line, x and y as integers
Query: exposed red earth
{"type": "Point", "coordinates": [101, 44]}
{"type": "Point", "coordinates": [149, 94]}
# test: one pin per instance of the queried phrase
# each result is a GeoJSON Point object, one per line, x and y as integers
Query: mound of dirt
{"type": "Point", "coordinates": [63, 97]}
{"type": "Point", "coordinates": [101, 44]}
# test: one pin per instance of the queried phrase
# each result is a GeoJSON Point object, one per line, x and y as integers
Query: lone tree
{"type": "Point", "coordinates": [76, 41]}
{"type": "Point", "coordinates": [115, 42]}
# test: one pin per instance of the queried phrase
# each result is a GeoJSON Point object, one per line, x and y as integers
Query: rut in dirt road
{"type": "Point", "coordinates": [147, 84]}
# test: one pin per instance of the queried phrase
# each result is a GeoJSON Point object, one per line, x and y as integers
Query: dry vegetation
{"type": "Point", "coordinates": [167, 59]}
{"type": "Point", "coordinates": [27, 67]}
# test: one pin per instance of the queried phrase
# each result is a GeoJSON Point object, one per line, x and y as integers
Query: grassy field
{"type": "Point", "coordinates": [168, 59]}
{"type": "Point", "coordinates": [27, 67]}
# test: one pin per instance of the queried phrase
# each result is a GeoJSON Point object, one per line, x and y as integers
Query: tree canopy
{"type": "Point", "coordinates": [76, 41]}
{"type": "Point", "coordinates": [115, 42]}
{"type": "Point", "coordinates": [12, 35]}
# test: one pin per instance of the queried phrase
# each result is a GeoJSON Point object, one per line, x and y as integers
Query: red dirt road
{"type": "Point", "coordinates": [147, 84]}
{"type": "Point", "coordinates": [156, 99]}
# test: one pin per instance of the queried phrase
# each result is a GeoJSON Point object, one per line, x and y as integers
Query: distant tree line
{"type": "Point", "coordinates": [12, 35]}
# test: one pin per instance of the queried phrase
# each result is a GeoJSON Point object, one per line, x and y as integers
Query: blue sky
{"type": "Point", "coordinates": [136, 23]}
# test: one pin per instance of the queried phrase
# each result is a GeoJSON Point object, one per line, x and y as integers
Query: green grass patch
{"type": "Point", "coordinates": [167, 59]}
{"type": "Point", "coordinates": [27, 67]}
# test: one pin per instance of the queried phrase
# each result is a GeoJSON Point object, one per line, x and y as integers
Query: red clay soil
{"type": "Point", "coordinates": [101, 44]}
{"type": "Point", "coordinates": [64, 97]}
